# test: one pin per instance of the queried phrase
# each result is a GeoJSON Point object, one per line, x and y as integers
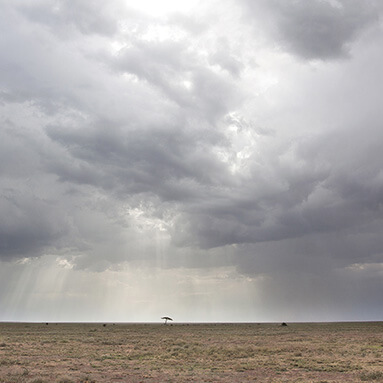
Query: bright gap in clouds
{"type": "Point", "coordinates": [163, 7]}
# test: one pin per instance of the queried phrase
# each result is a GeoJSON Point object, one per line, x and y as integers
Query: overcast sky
{"type": "Point", "coordinates": [209, 161]}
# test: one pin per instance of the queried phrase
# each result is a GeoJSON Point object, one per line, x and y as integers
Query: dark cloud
{"type": "Point", "coordinates": [181, 74]}
{"type": "Point", "coordinates": [320, 29]}
{"type": "Point", "coordinates": [324, 184]}
{"type": "Point", "coordinates": [143, 161]}
{"type": "Point", "coordinates": [30, 225]}
{"type": "Point", "coordinates": [64, 18]}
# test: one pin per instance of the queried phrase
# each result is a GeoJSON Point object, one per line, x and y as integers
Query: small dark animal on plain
{"type": "Point", "coordinates": [284, 324]}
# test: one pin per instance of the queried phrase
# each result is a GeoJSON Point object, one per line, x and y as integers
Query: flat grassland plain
{"type": "Point", "coordinates": [96, 352]}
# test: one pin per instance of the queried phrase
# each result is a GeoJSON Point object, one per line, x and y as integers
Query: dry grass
{"type": "Point", "coordinates": [67, 353]}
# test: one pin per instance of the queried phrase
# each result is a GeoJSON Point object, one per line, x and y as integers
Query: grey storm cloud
{"type": "Point", "coordinates": [137, 161]}
{"type": "Point", "coordinates": [65, 18]}
{"type": "Point", "coordinates": [150, 125]}
{"type": "Point", "coordinates": [335, 184]}
{"type": "Point", "coordinates": [319, 29]}
{"type": "Point", "coordinates": [29, 225]}
{"type": "Point", "coordinates": [181, 75]}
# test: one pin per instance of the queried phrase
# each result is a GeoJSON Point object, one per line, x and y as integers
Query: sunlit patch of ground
{"type": "Point", "coordinates": [66, 353]}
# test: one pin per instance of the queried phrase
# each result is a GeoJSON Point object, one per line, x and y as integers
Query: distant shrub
{"type": "Point", "coordinates": [87, 379]}
{"type": "Point", "coordinates": [368, 376]}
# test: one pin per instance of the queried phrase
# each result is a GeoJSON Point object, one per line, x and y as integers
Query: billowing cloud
{"type": "Point", "coordinates": [320, 29]}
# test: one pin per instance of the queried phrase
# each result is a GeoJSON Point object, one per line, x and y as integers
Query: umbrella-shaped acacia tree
{"type": "Point", "coordinates": [166, 319]}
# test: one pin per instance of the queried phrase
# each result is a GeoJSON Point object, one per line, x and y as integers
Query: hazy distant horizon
{"type": "Point", "coordinates": [189, 323]}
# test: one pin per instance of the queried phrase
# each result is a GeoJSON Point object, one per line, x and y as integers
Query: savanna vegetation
{"type": "Point", "coordinates": [67, 353]}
